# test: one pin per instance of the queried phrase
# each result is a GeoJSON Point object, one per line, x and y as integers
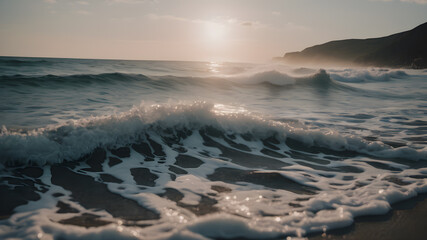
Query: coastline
{"type": "Point", "coordinates": [406, 220]}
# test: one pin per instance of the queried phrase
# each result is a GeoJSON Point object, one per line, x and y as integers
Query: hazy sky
{"type": "Point", "coordinates": [212, 30]}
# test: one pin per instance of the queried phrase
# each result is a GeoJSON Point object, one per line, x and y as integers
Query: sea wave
{"type": "Point", "coordinates": [271, 77]}
{"type": "Point", "coordinates": [83, 79]}
{"type": "Point", "coordinates": [266, 76]}
{"type": "Point", "coordinates": [74, 139]}
{"type": "Point", "coordinates": [277, 78]}
{"type": "Point", "coordinates": [361, 76]}
{"type": "Point", "coordinates": [21, 62]}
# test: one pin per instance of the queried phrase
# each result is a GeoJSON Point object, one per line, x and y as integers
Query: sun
{"type": "Point", "coordinates": [215, 32]}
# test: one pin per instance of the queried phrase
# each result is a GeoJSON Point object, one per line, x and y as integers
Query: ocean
{"type": "Point", "coordinates": [117, 149]}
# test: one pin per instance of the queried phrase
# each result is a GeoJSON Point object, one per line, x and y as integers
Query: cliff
{"type": "Point", "coordinates": [406, 49]}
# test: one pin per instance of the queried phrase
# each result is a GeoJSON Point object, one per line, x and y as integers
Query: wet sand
{"type": "Point", "coordinates": [407, 220]}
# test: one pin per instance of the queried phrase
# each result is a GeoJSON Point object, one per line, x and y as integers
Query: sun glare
{"type": "Point", "coordinates": [215, 32]}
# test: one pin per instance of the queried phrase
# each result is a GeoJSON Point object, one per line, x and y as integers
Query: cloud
{"type": "Point", "coordinates": [49, 1]}
{"type": "Point", "coordinates": [242, 22]}
{"type": "Point", "coordinates": [82, 3]}
{"type": "Point", "coordinates": [276, 13]}
{"type": "Point", "coordinates": [224, 21]}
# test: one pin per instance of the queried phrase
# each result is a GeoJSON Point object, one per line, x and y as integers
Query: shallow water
{"type": "Point", "coordinates": [195, 150]}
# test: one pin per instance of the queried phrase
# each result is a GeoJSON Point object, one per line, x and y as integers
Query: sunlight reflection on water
{"type": "Point", "coordinates": [228, 109]}
{"type": "Point", "coordinates": [213, 67]}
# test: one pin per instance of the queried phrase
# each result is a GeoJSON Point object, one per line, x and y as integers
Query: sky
{"type": "Point", "coordinates": [194, 30]}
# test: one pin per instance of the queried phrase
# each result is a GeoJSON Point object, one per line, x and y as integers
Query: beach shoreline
{"type": "Point", "coordinates": [406, 220]}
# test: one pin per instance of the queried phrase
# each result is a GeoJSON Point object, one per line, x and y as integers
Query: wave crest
{"type": "Point", "coordinates": [76, 138]}
{"type": "Point", "coordinates": [361, 76]}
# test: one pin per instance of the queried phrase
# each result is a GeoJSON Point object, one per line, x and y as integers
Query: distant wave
{"type": "Point", "coordinates": [74, 139]}
{"type": "Point", "coordinates": [361, 76]}
{"type": "Point", "coordinates": [319, 80]}
{"type": "Point", "coordinates": [261, 78]}
{"type": "Point", "coordinates": [272, 77]}
{"type": "Point", "coordinates": [21, 62]}
{"type": "Point", "coordinates": [70, 79]}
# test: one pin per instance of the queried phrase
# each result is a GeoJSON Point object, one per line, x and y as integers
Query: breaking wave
{"type": "Point", "coordinates": [361, 76]}
{"type": "Point", "coordinates": [76, 138]}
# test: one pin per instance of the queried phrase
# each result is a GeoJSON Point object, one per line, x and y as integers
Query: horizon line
{"type": "Point", "coordinates": [123, 59]}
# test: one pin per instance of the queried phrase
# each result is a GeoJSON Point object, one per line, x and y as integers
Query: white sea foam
{"type": "Point", "coordinates": [272, 77]}
{"type": "Point", "coordinates": [72, 140]}
{"type": "Point", "coordinates": [366, 75]}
